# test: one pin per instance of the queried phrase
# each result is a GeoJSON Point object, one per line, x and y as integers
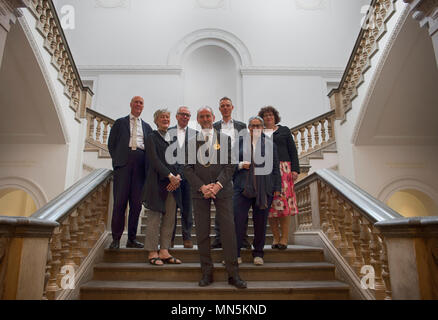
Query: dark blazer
{"type": "Point", "coordinates": [118, 141]}
{"type": "Point", "coordinates": [154, 191]}
{"type": "Point", "coordinates": [273, 180]}
{"type": "Point", "coordinates": [199, 175]}
{"type": "Point", "coordinates": [287, 151]}
{"type": "Point", "coordinates": [238, 125]}
{"type": "Point", "coordinates": [190, 133]}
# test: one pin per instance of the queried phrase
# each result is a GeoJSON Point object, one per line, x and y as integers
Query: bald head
{"type": "Point", "coordinates": [137, 105]}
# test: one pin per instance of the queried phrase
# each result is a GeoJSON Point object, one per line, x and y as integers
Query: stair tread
{"type": "Point", "coordinates": [195, 265]}
{"type": "Point", "coordinates": [217, 285]}
{"type": "Point", "coordinates": [195, 248]}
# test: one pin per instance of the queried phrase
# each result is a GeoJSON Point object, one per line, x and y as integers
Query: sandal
{"type": "Point", "coordinates": [153, 261]}
{"type": "Point", "coordinates": [171, 260]}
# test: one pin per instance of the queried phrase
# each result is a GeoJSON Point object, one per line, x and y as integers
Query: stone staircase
{"type": "Point", "coordinates": [299, 272]}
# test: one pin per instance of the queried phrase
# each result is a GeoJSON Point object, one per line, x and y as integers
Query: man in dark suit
{"type": "Point", "coordinates": [126, 145]}
{"type": "Point", "coordinates": [180, 134]}
{"type": "Point", "coordinates": [234, 129]}
{"type": "Point", "coordinates": [210, 176]}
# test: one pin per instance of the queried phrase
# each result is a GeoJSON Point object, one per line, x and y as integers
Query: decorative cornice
{"type": "Point", "coordinates": [88, 70]}
{"type": "Point", "coordinates": [331, 73]}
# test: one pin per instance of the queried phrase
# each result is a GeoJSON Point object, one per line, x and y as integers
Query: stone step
{"type": "Point", "coordinates": [179, 239]}
{"type": "Point", "coordinates": [219, 290]}
{"type": "Point", "coordinates": [293, 253]}
{"type": "Point", "coordinates": [250, 229]}
{"type": "Point", "coordinates": [274, 271]}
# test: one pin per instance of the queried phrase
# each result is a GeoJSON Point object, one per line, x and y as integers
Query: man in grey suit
{"type": "Point", "coordinates": [210, 177]}
{"type": "Point", "coordinates": [234, 129]}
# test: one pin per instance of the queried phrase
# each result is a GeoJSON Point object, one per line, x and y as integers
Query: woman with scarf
{"type": "Point", "coordinates": [256, 181]}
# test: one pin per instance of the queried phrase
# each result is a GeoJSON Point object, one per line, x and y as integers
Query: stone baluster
{"type": "Point", "coordinates": [342, 247]}
{"type": "Point", "coordinates": [295, 135]}
{"type": "Point", "coordinates": [52, 287]}
{"type": "Point", "coordinates": [105, 132]}
{"type": "Point", "coordinates": [87, 225]}
{"type": "Point", "coordinates": [329, 214]}
{"type": "Point", "coordinates": [82, 237]}
{"type": "Point", "coordinates": [316, 133]}
{"type": "Point", "coordinates": [94, 214]}
{"type": "Point", "coordinates": [348, 225]}
{"type": "Point", "coordinates": [98, 129]}
{"type": "Point", "coordinates": [330, 128]}
{"type": "Point", "coordinates": [75, 236]}
{"type": "Point", "coordinates": [365, 240]}
{"type": "Point", "coordinates": [376, 249]}
{"type": "Point", "coordinates": [323, 207]}
{"type": "Point", "coordinates": [336, 238]}
{"type": "Point", "coordinates": [323, 133]}
{"type": "Point", "coordinates": [355, 227]}
{"type": "Point", "coordinates": [385, 270]}
{"type": "Point", "coordinates": [309, 137]}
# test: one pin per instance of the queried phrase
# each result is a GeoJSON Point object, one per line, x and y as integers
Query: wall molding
{"type": "Point", "coordinates": [95, 70]}
{"type": "Point", "coordinates": [210, 36]}
{"type": "Point", "coordinates": [331, 73]}
{"type": "Point", "coordinates": [30, 187]}
{"type": "Point", "coordinates": [405, 182]}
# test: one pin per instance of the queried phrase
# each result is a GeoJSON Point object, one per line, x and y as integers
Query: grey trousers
{"type": "Point", "coordinates": [160, 226]}
{"type": "Point", "coordinates": [225, 216]}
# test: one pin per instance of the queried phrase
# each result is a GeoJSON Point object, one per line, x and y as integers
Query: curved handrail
{"type": "Point", "coordinates": [100, 115]}
{"type": "Point", "coordinates": [373, 209]}
{"type": "Point", "coordinates": [60, 207]}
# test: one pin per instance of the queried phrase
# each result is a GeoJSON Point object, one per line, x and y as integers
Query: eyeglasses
{"type": "Point", "coordinates": [188, 115]}
{"type": "Point", "coordinates": [256, 126]}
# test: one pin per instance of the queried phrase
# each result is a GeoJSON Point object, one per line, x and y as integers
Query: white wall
{"type": "Point", "coordinates": [291, 52]}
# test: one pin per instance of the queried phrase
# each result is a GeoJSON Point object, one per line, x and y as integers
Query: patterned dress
{"type": "Point", "coordinates": [285, 204]}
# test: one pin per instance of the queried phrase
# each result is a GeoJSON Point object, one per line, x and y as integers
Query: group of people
{"type": "Point", "coordinates": [224, 163]}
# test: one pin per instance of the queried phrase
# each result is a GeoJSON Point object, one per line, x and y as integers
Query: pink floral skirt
{"type": "Point", "coordinates": [285, 204]}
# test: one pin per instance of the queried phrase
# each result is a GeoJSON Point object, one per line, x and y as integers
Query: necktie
{"type": "Point", "coordinates": [134, 135]}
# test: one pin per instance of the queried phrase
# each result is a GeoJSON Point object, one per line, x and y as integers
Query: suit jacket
{"type": "Point", "coordinates": [190, 133]}
{"type": "Point", "coordinates": [198, 175]}
{"type": "Point", "coordinates": [118, 142]}
{"type": "Point", "coordinates": [154, 192]}
{"type": "Point", "coordinates": [272, 181]}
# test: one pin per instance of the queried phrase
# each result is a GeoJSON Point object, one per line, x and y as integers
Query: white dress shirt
{"type": "Point", "coordinates": [140, 139]}
{"type": "Point", "coordinates": [181, 135]}
{"type": "Point", "coordinates": [228, 129]}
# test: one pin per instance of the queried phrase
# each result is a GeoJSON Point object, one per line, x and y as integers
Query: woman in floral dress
{"type": "Point", "coordinates": [285, 205]}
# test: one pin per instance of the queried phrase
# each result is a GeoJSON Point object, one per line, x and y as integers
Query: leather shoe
{"type": "Point", "coordinates": [216, 244]}
{"type": "Point", "coordinates": [237, 282]}
{"type": "Point", "coordinates": [134, 244]}
{"type": "Point", "coordinates": [115, 245]}
{"type": "Point", "coordinates": [188, 244]}
{"type": "Point", "coordinates": [206, 280]}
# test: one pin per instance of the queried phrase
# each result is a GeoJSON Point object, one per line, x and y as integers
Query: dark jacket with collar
{"type": "Point", "coordinates": [238, 125]}
{"type": "Point", "coordinates": [154, 192]}
{"type": "Point", "coordinates": [287, 151]}
{"type": "Point", "coordinates": [180, 153]}
{"type": "Point", "coordinates": [118, 142]}
{"type": "Point", "coordinates": [272, 180]}
{"type": "Point", "coordinates": [198, 174]}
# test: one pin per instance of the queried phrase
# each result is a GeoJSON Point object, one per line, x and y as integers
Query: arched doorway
{"type": "Point", "coordinates": [412, 203]}
{"type": "Point", "coordinates": [16, 203]}
{"type": "Point", "coordinates": [210, 73]}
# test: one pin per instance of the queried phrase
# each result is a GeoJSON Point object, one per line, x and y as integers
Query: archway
{"type": "Point", "coordinates": [16, 203]}
{"type": "Point", "coordinates": [210, 73]}
{"type": "Point", "coordinates": [412, 203]}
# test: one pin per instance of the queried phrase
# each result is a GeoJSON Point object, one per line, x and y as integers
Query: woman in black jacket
{"type": "Point", "coordinates": [161, 193]}
{"type": "Point", "coordinates": [255, 182]}
{"type": "Point", "coordinates": [285, 205]}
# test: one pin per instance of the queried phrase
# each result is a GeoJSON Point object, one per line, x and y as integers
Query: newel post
{"type": "Point", "coordinates": [412, 246]}
{"type": "Point", "coordinates": [24, 244]}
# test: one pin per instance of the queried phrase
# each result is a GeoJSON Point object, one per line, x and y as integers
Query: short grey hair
{"type": "Point", "coordinates": [159, 112]}
{"type": "Point", "coordinates": [256, 118]}
{"type": "Point", "coordinates": [179, 109]}
{"type": "Point", "coordinates": [205, 108]}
